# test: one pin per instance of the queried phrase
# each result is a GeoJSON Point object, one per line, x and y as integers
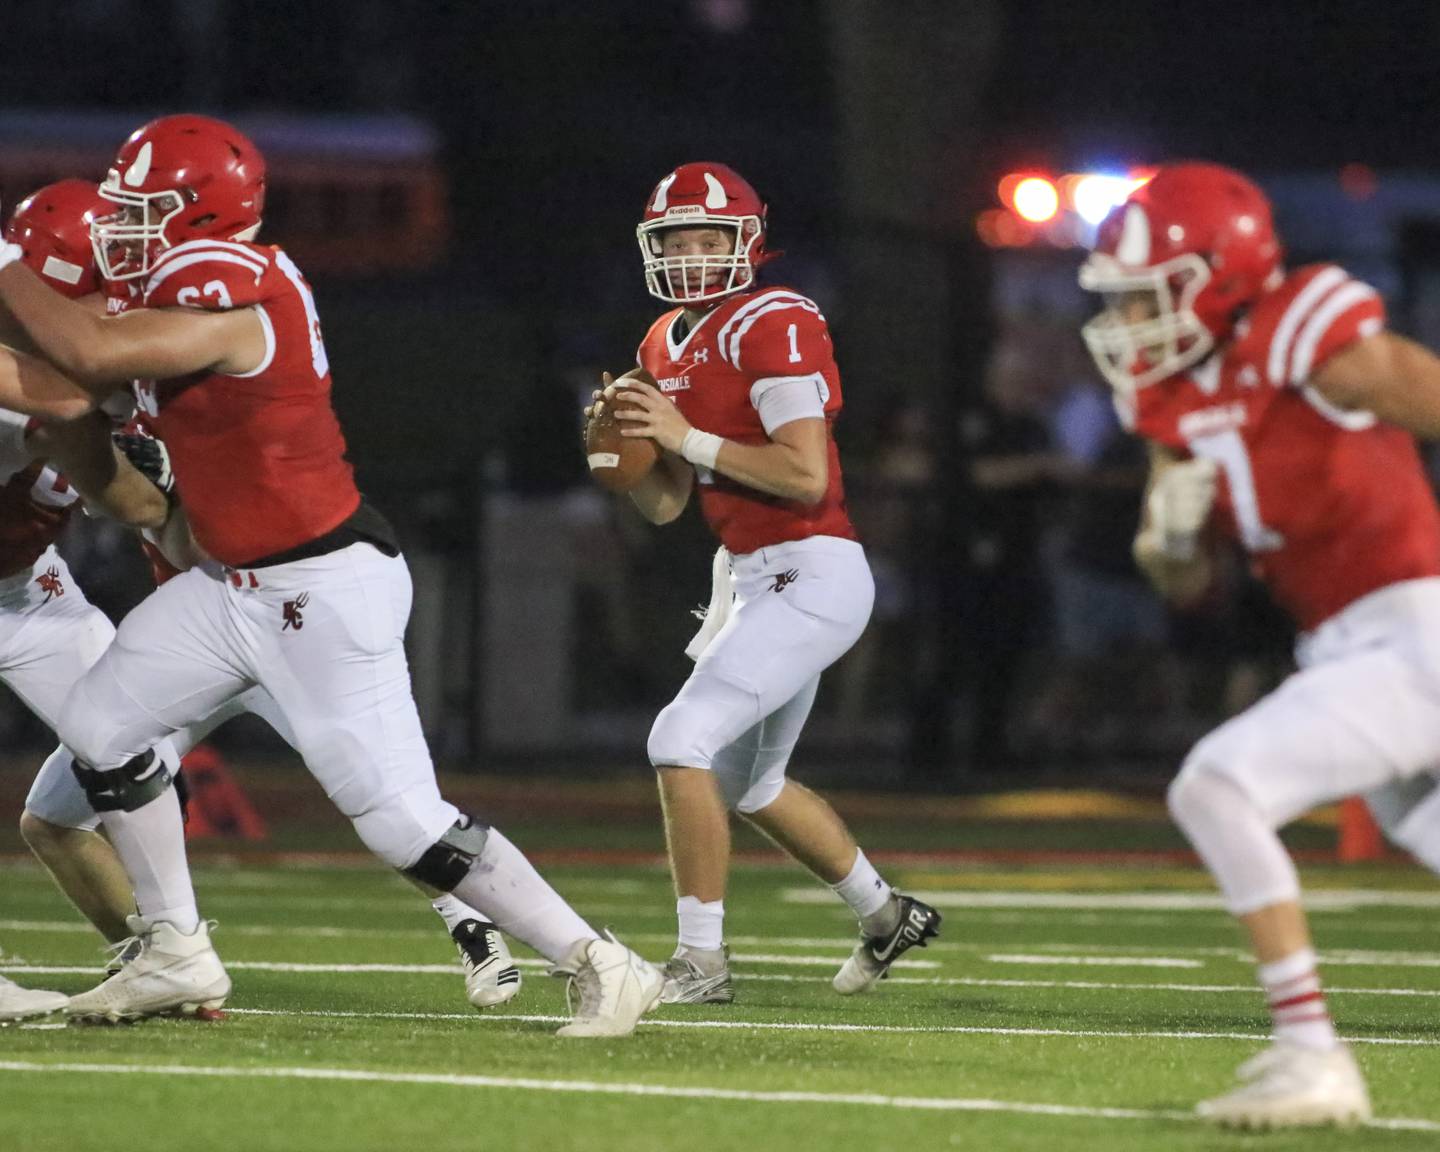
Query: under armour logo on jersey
{"type": "Point", "coordinates": [292, 614]}
{"type": "Point", "coordinates": [50, 584]}
{"type": "Point", "coordinates": [700, 356]}
{"type": "Point", "coordinates": [783, 580]}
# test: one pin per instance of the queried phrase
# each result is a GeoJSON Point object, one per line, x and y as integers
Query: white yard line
{"type": "Point", "coordinates": [1096, 961]}
{"type": "Point", "coordinates": [21, 969]}
{"type": "Point", "coordinates": [1322, 899]}
{"type": "Point", "coordinates": [622, 1088]}
{"type": "Point", "coordinates": [820, 1026]}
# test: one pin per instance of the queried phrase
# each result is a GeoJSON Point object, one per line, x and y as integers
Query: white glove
{"type": "Point", "coordinates": [1179, 505]}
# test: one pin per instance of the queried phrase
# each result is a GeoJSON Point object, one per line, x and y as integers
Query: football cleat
{"type": "Point", "coordinates": [1290, 1086]}
{"type": "Point", "coordinates": [873, 956]}
{"type": "Point", "coordinates": [687, 980]}
{"type": "Point", "coordinates": [170, 974]}
{"type": "Point", "coordinates": [616, 987]}
{"type": "Point", "coordinates": [18, 1003]}
{"type": "Point", "coordinates": [490, 974]}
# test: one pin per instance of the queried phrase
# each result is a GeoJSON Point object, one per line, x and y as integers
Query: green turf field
{"type": "Point", "coordinates": [1063, 1009]}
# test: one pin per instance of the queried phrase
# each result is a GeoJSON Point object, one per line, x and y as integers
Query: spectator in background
{"type": "Point", "coordinates": [1015, 472]}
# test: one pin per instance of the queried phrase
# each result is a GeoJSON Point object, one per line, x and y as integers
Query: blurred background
{"type": "Point", "coordinates": [461, 183]}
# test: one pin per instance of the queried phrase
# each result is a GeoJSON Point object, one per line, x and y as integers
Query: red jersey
{"type": "Point", "coordinates": [35, 500]}
{"type": "Point", "coordinates": [755, 359]}
{"type": "Point", "coordinates": [259, 458]}
{"type": "Point", "coordinates": [1330, 504]}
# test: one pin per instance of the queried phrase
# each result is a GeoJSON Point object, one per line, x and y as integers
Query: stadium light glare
{"type": "Point", "coordinates": [1035, 199]}
{"type": "Point", "coordinates": [1094, 194]}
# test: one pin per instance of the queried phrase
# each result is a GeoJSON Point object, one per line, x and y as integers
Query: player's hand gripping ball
{"type": "Point", "coordinates": [617, 462]}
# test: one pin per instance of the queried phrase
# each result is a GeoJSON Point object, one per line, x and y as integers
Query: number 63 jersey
{"type": "Point", "coordinates": [259, 457]}
{"type": "Point", "coordinates": [751, 364]}
{"type": "Point", "coordinates": [1330, 504]}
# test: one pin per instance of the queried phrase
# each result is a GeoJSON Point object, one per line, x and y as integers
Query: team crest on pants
{"type": "Point", "coordinates": [50, 584]}
{"type": "Point", "coordinates": [293, 617]}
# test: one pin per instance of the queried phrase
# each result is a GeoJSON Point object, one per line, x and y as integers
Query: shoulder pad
{"type": "Point", "coordinates": [776, 332]}
{"type": "Point", "coordinates": [215, 275]}
{"type": "Point", "coordinates": [1321, 309]}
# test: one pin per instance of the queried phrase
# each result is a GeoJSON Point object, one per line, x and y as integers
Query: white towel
{"type": "Point", "coordinates": [722, 597]}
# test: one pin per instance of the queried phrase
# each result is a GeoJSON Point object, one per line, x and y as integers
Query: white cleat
{"type": "Point", "coordinates": [18, 1003]}
{"type": "Point", "coordinates": [170, 974]}
{"type": "Point", "coordinates": [616, 988]}
{"type": "Point", "coordinates": [491, 977]}
{"type": "Point", "coordinates": [1288, 1086]}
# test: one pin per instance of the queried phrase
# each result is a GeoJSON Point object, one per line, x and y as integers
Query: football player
{"type": "Point", "coordinates": [748, 396]}
{"type": "Point", "coordinates": [49, 632]}
{"type": "Point", "coordinates": [309, 594]}
{"type": "Point", "coordinates": [1280, 414]}
{"type": "Point", "coordinates": [52, 229]}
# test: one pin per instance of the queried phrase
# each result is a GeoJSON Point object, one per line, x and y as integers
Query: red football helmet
{"type": "Point", "coordinates": [52, 227]}
{"type": "Point", "coordinates": [178, 178]}
{"type": "Point", "coordinates": [703, 195]}
{"type": "Point", "coordinates": [1178, 263]}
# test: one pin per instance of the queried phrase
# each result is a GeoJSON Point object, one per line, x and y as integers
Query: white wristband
{"type": "Point", "coordinates": [9, 253]}
{"type": "Point", "coordinates": [701, 448]}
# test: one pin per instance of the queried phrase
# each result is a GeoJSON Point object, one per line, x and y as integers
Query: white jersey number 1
{"type": "Point", "coordinates": [1228, 450]}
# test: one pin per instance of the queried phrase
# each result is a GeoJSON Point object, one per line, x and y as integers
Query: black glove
{"type": "Point", "coordinates": [150, 457]}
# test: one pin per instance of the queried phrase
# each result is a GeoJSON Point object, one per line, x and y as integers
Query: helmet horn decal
{"type": "Point", "coordinates": [714, 193]}
{"type": "Point", "coordinates": [662, 200]}
{"type": "Point", "coordinates": [1134, 246]}
{"type": "Point", "coordinates": [137, 172]}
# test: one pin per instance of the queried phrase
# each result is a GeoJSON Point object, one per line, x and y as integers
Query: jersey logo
{"type": "Point", "coordinates": [783, 580]}
{"type": "Point", "coordinates": [50, 584]}
{"type": "Point", "coordinates": [291, 611]}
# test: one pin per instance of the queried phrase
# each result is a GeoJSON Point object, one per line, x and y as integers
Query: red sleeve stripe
{"type": "Point", "coordinates": [205, 256]}
{"type": "Point", "coordinates": [1352, 295]}
{"type": "Point", "coordinates": [1308, 297]}
{"type": "Point", "coordinates": [746, 315]}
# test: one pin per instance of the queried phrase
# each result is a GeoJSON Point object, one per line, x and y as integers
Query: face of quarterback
{"type": "Point", "coordinates": [699, 242]}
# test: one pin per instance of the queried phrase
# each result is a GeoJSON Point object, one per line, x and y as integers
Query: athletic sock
{"type": "Point", "coordinates": [504, 888]}
{"type": "Point", "coordinates": [871, 899]}
{"type": "Point", "coordinates": [150, 842]}
{"type": "Point", "coordinates": [1297, 1006]}
{"type": "Point", "coordinates": [454, 911]}
{"type": "Point", "coordinates": [702, 923]}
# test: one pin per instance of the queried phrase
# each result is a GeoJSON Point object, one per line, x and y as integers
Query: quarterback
{"type": "Point", "coordinates": [748, 394]}
{"type": "Point", "coordinates": [1280, 414]}
{"type": "Point", "coordinates": [308, 596]}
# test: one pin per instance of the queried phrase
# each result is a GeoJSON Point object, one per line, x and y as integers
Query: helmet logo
{"type": "Point", "coordinates": [714, 193]}
{"type": "Point", "coordinates": [1134, 246]}
{"type": "Point", "coordinates": [137, 172]}
{"type": "Point", "coordinates": [662, 190]}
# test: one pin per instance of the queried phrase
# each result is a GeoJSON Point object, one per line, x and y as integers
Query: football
{"type": "Point", "coordinates": [619, 462]}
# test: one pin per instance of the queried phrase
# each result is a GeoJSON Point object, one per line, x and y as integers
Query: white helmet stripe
{"type": "Point", "coordinates": [662, 190]}
{"type": "Point", "coordinates": [714, 192]}
{"type": "Point", "coordinates": [1134, 246]}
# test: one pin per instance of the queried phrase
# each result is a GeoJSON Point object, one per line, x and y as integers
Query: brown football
{"type": "Point", "coordinates": [619, 462]}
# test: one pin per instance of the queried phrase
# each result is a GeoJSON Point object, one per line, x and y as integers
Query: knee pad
{"type": "Point", "coordinates": [1236, 841]}
{"type": "Point", "coordinates": [446, 862]}
{"type": "Point", "coordinates": [126, 788]}
{"type": "Point", "coordinates": [762, 793]}
{"type": "Point", "coordinates": [692, 729]}
{"type": "Point", "coordinates": [56, 796]}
